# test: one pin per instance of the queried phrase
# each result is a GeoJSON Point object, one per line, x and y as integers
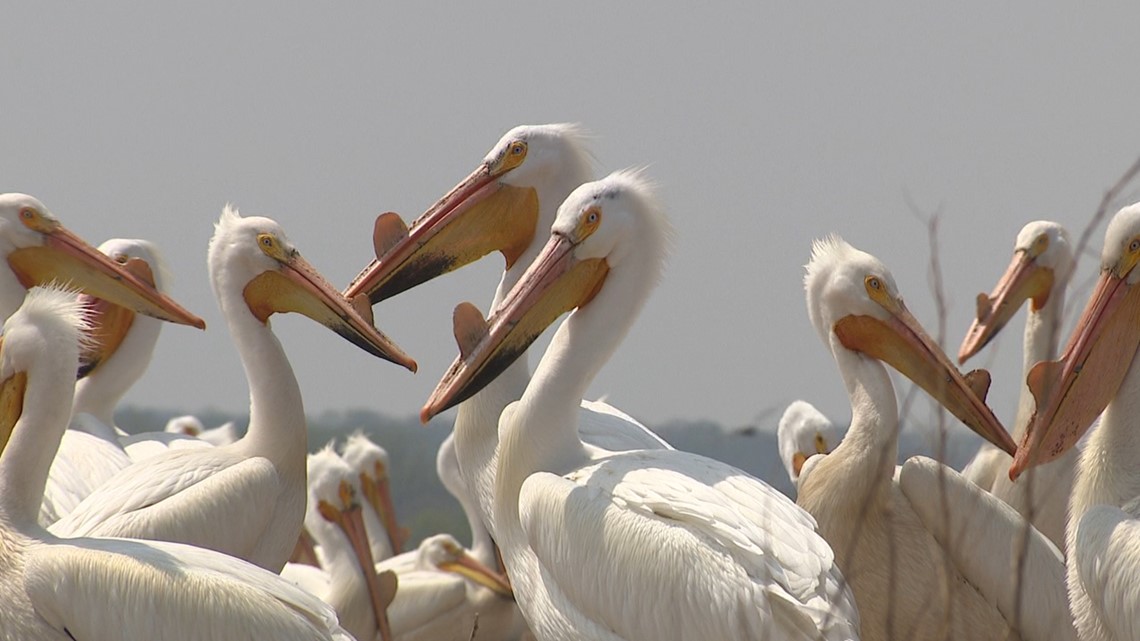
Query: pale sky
{"type": "Point", "coordinates": [766, 125]}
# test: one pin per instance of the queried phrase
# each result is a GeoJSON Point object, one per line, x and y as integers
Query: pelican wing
{"type": "Point", "coordinates": [424, 596]}
{"type": "Point", "coordinates": [82, 464]}
{"type": "Point", "coordinates": [603, 425]}
{"type": "Point", "coordinates": [985, 538]}
{"type": "Point", "coordinates": [182, 496]}
{"type": "Point", "coordinates": [119, 589]}
{"type": "Point", "coordinates": [677, 525]}
{"type": "Point", "coordinates": [1108, 565]}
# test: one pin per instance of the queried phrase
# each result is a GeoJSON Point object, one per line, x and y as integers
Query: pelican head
{"type": "Point", "coordinates": [371, 463]}
{"type": "Point", "coordinates": [442, 552]}
{"type": "Point", "coordinates": [496, 208]}
{"type": "Point", "coordinates": [1042, 258]}
{"type": "Point", "coordinates": [802, 433]}
{"type": "Point", "coordinates": [110, 322]}
{"type": "Point", "coordinates": [40, 250]}
{"type": "Point", "coordinates": [855, 306]}
{"type": "Point", "coordinates": [45, 333]}
{"type": "Point", "coordinates": [333, 504]}
{"type": "Point", "coordinates": [597, 230]}
{"type": "Point", "coordinates": [1071, 392]}
{"type": "Point", "coordinates": [252, 255]}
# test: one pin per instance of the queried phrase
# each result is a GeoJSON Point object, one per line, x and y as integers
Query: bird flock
{"type": "Point", "coordinates": [585, 524]}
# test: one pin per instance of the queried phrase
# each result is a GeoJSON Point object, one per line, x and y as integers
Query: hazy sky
{"type": "Point", "coordinates": [766, 127]}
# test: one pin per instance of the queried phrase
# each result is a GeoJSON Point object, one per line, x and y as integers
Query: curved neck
{"type": "Point", "coordinates": [542, 434]}
{"type": "Point", "coordinates": [871, 443]}
{"type": "Point", "coordinates": [1042, 331]}
{"type": "Point", "coordinates": [27, 458]}
{"type": "Point", "coordinates": [99, 394]}
{"type": "Point", "coordinates": [277, 428]}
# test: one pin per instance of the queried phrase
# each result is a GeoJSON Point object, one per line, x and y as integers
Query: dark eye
{"type": "Point", "coordinates": [593, 217]}
{"type": "Point", "coordinates": [874, 283]}
{"type": "Point", "coordinates": [1134, 245]}
{"type": "Point", "coordinates": [121, 259]}
{"type": "Point", "coordinates": [27, 214]}
{"type": "Point", "coordinates": [267, 241]}
{"type": "Point", "coordinates": [517, 148]}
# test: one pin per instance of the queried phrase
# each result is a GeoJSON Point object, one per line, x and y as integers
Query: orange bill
{"type": "Point", "coordinates": [67, 259]}
{"type": "Point", "coordinates": [298, 287]}
{"type": "Point", "coordinates": [478, 216]}
{"type": "Point", "coordinates": [376, 490]}
{"type": "Point", "coordinates": [554, 284]}
{"type": "Point", "coordinates": [350, 520]}
{"type": "Point", "coordinates": [1072, 392]}
{"type": "Point", "coordinates": [1023, 280]}
{"type": "Point", "coordinates": [470, 568]}
{"type": "Point", "coordinates": [902, 343]}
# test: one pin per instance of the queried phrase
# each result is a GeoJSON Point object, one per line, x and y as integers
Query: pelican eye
{"type": "Point", "coordinates": [513, 157]}
{"type": "Point", "coordinates": [271, 246]}
{"type": "Point", "coordinates": [27, 213]}
{"type": "Point", "coordinates": [590, 220]}
{"type": "Point", "coordinates": [1040, 244]}
{"type": "Point", "coordinates": [1134, 246]}
{"type": "Point", "coordinates": [121, 259]}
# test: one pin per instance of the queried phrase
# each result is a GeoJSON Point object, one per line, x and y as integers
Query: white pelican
{"type": "Point", "coordinates": [444, 590]}
{"type": "Point", "coordinates": [904, 585]}
{"type": "Point", "coordinates": [39, 250]}
{"type": "Point", "coordinates": [246, 499]}
{"type": "Point", "coordinates": [515, 191]}
{"type": "Point", "coordinates": [56, 590]}
{"type": "Point", "coordinates": [190, 425]}
{"type": "Point", "coordinates": [347, 578]}
{"type": "Point", "coordinates": [802, 433]}
{"type": "Point", "coordinates": [1039, 273]}
{"type": "Point", "coordinates": [370, 461]}
{"type": "Point", "coordinates": [652, 544]}
{"type": "Point", "coordinates": [1096, 373]}
{"type": "Point", "coordinates": [121, 348]}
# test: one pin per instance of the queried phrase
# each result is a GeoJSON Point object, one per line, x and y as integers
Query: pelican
{"type": "Point", "coordinates": [903, 582]}
{"type": "Point", "coordinates": [347, 578]}
{"type": "Point", "coordinates": [246, 499]}
{"type": "Point", "coordinates": [802, 433]}
{"type": "Point", "coordinates": [1039, 273]}
{"type": "Point", "coordinates": [59, 590]}
{"type": "Point", "coordinates": [515, 191]}
{"type": "Point", "coordinates": [91, 452]}
{"type": "Point", "coordinates": [385, 537]}
{"type": "Point", "coordinates": [444, 592]}
{"type": "Point", "coordinates": [1095, 373]}
{"type": "Point", "coordinates": [649, 544]}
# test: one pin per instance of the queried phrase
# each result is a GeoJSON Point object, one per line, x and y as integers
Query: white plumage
{"type": "Point", "coordinates": [902, 579]}
{"type": "Point", "coordinates": [654, 544]}
{"type": "Point", "coordinates": [108, 588]}
{"type": "Point", "coordinates": [507, 204]}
